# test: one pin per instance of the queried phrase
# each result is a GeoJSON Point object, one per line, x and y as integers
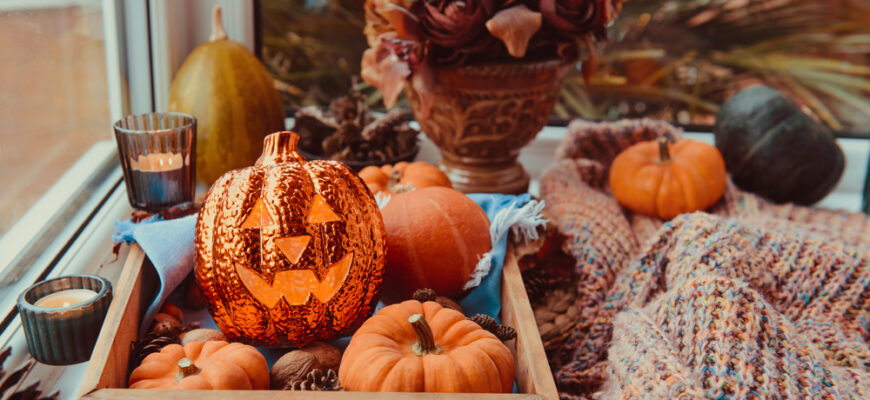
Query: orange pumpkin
{"type": "Point", "coordinates": [435, 236]}
{"type": "Point", "coordinates": [202, 366]}
{"type": "Point", "coordinates": [416, 175]}
{"type": "Point", "coordinates": [664, 180]}
{"type": "Point", "coordinates": [424, 347]}
{"type": "Point", "coordinates": [289, 251]}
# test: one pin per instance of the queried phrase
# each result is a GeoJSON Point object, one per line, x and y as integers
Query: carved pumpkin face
{"type": "Point", "coordinates": [289, 251]}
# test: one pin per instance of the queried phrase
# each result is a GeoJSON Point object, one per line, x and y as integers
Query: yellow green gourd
{"type": "Point", "coordinates": [233, 98]}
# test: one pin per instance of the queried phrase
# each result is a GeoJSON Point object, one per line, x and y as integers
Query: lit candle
{"type": "Point", "coordinates": [66, 298]}
{"type": "Point", "coordinates": [157, 162]}
{"type": "Point", "coordinates": [62, 317]}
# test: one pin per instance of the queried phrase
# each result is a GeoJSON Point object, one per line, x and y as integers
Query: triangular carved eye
{"type": "Point", "coordinates": [293, 247]}
{"type": "Point", "coordinates": [321, 211]}
{"type": "Point", "coordinates": [258, 217]}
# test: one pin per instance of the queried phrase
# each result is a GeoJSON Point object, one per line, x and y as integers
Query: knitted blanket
{"type": "Point", "coordinates": [751, 300]}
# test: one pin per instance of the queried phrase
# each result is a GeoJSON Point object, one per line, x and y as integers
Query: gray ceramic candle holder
{"type": "Point", "coordinates": [64, 335]}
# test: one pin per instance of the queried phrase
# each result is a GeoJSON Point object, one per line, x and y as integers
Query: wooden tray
{"type": "Point", "coordinates": [106, 374]}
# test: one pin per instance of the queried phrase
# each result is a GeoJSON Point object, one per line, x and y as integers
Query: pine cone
{"type": "Point", "coordinates": [505, 333]}
{"type": "Point", "coordinates": [486, 322]}
{"type": "Point", "coordinates": [537, 282]}
{"type": "Point", "coordinates": [424, 295]}
{"type": "Point", "coordinates": [317, 380]}
{"type": "Point", "coordinates": [385, 126]}
{"type": "Point", "coordinates": [502, 332]}
{"type": "Point", "coordinates": [151, 343]}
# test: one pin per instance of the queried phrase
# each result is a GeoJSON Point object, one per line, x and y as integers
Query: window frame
{"type": "Point", "coordinates": [35, 245]}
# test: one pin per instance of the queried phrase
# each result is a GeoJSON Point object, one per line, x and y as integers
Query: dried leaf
{"type": "Point", "coordinates": [15, 377]}
{"type": "Point", "coordinates": [515, 26]}
{"type": "Point", "coordinates": [423, 82]}
{"type": "Point", "coordinates": [385, 71]}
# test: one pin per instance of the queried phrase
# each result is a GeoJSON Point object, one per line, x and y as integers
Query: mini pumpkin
{"type": "Point", "coordinates": [415, 175]}
{"type": "Point", "coordinates": [289, 251]}
{"type": "Point", "coordinates": [435, 237]}
{"type": "Point", "coordinates": [772, 148]}
{"type": "Point", "coordinates": [663, 180]}
{"type": "Point", "coordinates": [424, 347]}
{"type": "Point", "coordinates": [202, 366]}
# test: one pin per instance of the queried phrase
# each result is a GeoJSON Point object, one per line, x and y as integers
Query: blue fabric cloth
{"type": "Point", "coordinates": [169, 246]}
{"type": "Point", "coordinates": [486, 298]}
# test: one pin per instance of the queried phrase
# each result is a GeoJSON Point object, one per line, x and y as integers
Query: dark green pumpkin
{"type": "Point", "coordinates": [772, 148]}
{"type": "Point", "coordinates": [234, 101]}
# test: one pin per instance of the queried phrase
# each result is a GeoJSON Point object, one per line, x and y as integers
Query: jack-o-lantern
{"type": "Point", "coordinates": [289, 251]}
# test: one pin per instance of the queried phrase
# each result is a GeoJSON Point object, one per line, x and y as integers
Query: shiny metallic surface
{"type": "Point", "coordinates": [317, 217]}
{"type": "Point", "coordinates": [64, 335]}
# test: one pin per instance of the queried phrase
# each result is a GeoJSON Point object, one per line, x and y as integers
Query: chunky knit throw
{"type": "Point", "coordinates": [751, 300]}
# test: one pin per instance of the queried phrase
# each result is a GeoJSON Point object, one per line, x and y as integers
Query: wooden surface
{"type": "Point", "coordinates": [108, 365]}
{"type": "Point", "coordinates": [273, 394]}
{"type": "Point", "coordinates": [106, 375]}
{"type": "Point", "coordinates": [533, 370]}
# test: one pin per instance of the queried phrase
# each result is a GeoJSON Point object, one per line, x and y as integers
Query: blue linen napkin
{"type": "Point", "coordinates": [169, 246]}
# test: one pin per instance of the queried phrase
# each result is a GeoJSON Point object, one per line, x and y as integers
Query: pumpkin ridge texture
{"type": "Point", "coordinates": [218, 365]}
{"type": "Point", "coordinates": [381, 355]}
{"type": "Point", "coordinates": [435, 236]}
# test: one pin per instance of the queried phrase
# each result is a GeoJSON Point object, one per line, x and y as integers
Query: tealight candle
{"type": "Point", "coordinates": [158, 158]}
{"type": "Point", "coordinates": [62, 317]}
{"type": "Point", "coordinates": [66, 298]}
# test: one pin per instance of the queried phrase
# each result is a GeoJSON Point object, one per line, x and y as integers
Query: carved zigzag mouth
{"type": "Point", "coordinates": [296, 285]}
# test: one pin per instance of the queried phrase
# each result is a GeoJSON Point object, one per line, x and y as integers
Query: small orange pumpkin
{"type": "Point", "coordinates": [435, 237]}
{"type": "Point", "coordinates": [203, 366]}
{"type": "Point", "coordinates": [664, 180]}
{"type": "Point", "coordinates": [424, 347]}
{"type": "Point", "coordinates": [289, 251]}
{"type": "Point", "coordinates": [415, 175]}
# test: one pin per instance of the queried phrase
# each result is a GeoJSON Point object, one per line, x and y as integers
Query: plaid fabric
{"type": "Point", "coordinates": [750, 300]}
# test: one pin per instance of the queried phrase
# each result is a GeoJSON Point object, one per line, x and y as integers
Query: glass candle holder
{"type": "Point", "coordinates": [158, 157]}
{"type": "Point", "coordinates": [62, 317]}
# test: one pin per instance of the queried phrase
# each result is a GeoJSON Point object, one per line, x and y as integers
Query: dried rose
{"type": "Point", "coordinates": [376, 21]}
{"type": "Point", "coordinates": [576, 18]}
{"type": "Point", "coordinates": [457, 24]}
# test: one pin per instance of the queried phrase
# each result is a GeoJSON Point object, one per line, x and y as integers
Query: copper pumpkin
{"type": "Point", "coordinates": [289, 251]}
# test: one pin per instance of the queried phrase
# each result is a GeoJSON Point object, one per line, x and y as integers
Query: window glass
{"type": "Point", "coordinates": [54, 99]}
{"type": "Point", "coordinates": [676, 60]}
{"type": "Point", "coordinates": [313, 47]}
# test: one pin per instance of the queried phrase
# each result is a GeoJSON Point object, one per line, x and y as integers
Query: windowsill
{"type": "Point", "coordinates": [90, 252]}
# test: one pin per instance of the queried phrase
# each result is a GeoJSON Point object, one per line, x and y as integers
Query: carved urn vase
{"type": "Point", "coordinates": [484, 114]}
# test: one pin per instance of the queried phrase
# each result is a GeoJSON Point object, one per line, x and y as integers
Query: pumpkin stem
{"type": "Point", "coordinates": [664, 154]}
{"type": "Point", "coordinates": [188, 368]}
{"type": "Point", "coordinates": [217, 25]}
{"type": "Point", "coordinates": [280, 147]}
{"type": "Point", "coordinates": [395, 177]}
{"type": "Point", "coordinates": [425, 339]}
{"type": "Point", "coordinates": [403, 188]}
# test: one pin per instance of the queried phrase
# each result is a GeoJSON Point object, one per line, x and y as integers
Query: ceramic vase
{"type": "Point", "coordinates": [483, 116]}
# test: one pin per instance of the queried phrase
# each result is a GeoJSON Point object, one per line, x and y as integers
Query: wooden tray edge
{"type": "Point", "coordinates": [533, 369]}
{"type": "Point", "coordinates": [117, 327]}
